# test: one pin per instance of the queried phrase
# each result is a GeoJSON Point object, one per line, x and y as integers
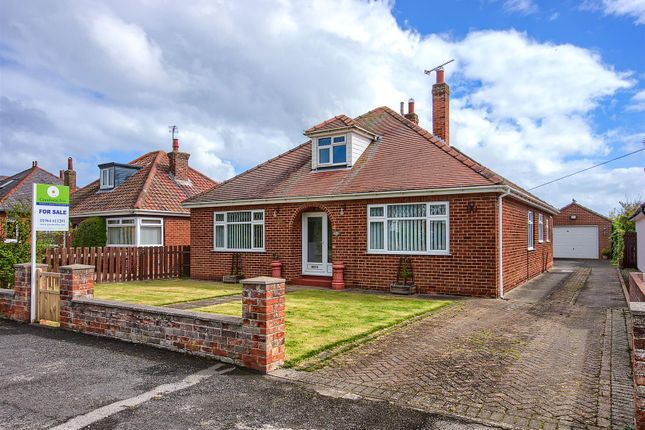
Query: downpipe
{"type": "Point", "coordinates": [501, 242]}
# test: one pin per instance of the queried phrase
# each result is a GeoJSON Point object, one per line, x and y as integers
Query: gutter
{"type": "Point", "coordinates": [501, 242]}
{"type": "Point", "coordinates": [121, 212]}
{"type": "Point", "coordinates": [352, 196]}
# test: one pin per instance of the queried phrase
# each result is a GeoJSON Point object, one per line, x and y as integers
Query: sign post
{"type": "Point", "coordinates": [49, 212]}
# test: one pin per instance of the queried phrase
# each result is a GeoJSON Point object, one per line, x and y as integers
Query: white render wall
{"type": "Point", "coordinates": [640, 242]}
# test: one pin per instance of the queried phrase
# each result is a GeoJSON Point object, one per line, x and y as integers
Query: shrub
{"type": "Point", "coordinates": [19, 251]}
{"type": "Point", "coordinates": [90, 232]}
{"type": "Point", "coordinates": [606, 252]}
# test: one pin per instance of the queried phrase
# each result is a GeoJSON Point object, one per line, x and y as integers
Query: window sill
{"type": "Point", "coordinates": [530, 249]}
{"type": "Point", "coordinates": [440, 253]}
{"type": "Point", "coordinates": [11, 241]}
{"type": "Point", "coordinates": [239, 250]}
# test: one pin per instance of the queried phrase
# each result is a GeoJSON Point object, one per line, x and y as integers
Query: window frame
{"type": "Point", "coordinates": [428, 218]}
{"type": "Point", "coordinates": [16, 230]}
{"type": "Point", "coordinates": [540, 228]}
{"type": "Point", "coordinates": [530, 232]}
{"type": "Point", "coordinates": [138, 223]}
{"type": "Point", "coordinates": [548, 239]}
{"type": "Point", "coordinates": [253, 223]}
{"type": "Point", "coordinates": [110, 178]}
{"type": "Point", "coordinates": [331, 147]}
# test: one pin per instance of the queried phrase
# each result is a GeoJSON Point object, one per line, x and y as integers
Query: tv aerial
{"type": "Point", "coordinates": [173, 129]}
{"type": "Point", "coordinates": [440, 67]}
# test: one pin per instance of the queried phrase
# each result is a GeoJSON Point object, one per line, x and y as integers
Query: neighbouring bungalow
{"type": "Point", "coordinates": [365, 192]}
{"type": "Point", "coordinates": [16, 190]}
{"type": "Point", "coordinates": [141, 200]}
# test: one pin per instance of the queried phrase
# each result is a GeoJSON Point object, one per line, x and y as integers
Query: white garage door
{"type": "Point", "coordinates": [575, 242]}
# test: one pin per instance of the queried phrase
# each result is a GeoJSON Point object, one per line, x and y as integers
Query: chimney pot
{"type": "Point", "coordinates": [411, 115]}
{"type": "Point", "coordinates": [34, 163]}
{"type": "Point", "coordinates": [402, 108]}
{"type": "Point", "coordinates": [411, 106]}
{"type": "Point", "coordinates": [61, 174]}
{"type": "Point", "coordinates": [440, 76]}
{"type": "Point", "coordinates": [70, 164]}
{"type": "Point", "coordinates": [175, 145]}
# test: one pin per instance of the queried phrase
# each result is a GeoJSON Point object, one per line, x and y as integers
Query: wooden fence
{"type": "Point", "coordinates": [123, 264]}
{"type": "Point", "coordinates": [629, 252]}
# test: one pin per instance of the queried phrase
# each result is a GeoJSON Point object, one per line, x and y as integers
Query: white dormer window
{"type": "Point", "coordinates": [107, 178]}
{"type": "Point", "coordinates": [332, 151]}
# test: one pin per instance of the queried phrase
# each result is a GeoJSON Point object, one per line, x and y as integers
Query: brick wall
{"type": "Point", "coordinates": [176, 231]}
{"type": "Point", "coordinates": [3, 220]}
{"type": "Point", "coordinates": [471, 269]}
{"type": "Point", "coordinates": [255, 341]}
{"type": "Point", "coordinates": [15, 303]}
{"type": "Point", "coordinates": [585, 217]}
{"type": "Point", "coordinates": [520, 264]}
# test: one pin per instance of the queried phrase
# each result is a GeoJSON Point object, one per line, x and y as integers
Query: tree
{"type": "Point", "coordinates": [90, 232]}
{"type": "Point", "coordinates": [621, 224]}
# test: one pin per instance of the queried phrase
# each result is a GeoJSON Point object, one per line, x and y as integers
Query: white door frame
{"type": "Point", "coordinates": [316, 269]}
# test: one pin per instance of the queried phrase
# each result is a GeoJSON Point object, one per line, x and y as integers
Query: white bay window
{"type": "Point", "coordinates": [134, 231]}
{"type": "Point", "coordinates": [419, 228]}
{"type": "Point", "coordinates": [239, 231]}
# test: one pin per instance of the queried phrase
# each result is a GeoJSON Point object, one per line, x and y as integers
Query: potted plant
{"type": "Point", "coordinates": [606, 253]}
{"type": "Point", "coordinates": [404, 283]}
{"type": "Point", "coordinates": [236, 271]}
{"type": "Point", "coordinates": [276, 266]}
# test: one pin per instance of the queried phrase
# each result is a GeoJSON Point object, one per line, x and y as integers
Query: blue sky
{"type": "Point", "coordinates": [538, 89]}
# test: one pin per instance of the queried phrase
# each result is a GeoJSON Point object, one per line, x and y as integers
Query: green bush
{"type": "Point", "coordinates": [90, 232]}
{"type": "Point", "coordinates": [19, 251]}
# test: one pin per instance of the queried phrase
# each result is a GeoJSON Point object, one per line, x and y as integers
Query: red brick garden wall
{"type": "Point", "coordinates": [520, 264]}
{"type": "Point", "coordinates": [471, 269]}
{"type": "Point", "coordinates": [176, 231]}
{"type": "Point", "coordinates": [585, 217]}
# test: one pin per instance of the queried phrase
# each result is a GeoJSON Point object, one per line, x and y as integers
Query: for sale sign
{"type": "Point", "coordinates": [51, 207]}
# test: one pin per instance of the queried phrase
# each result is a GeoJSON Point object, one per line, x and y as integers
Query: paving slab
{"type": "Point", "coordinates": [556, 353]}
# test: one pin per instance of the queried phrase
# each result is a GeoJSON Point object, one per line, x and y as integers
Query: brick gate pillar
{"type": "Point", "coordinates": [76, 282]}
{"type": "Point", "coordinates": [263, 323]}
{"type": "Point", "coordinates": [16, 304]}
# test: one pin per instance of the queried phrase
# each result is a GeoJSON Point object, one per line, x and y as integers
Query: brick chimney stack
{"type": "Point", "coordinates": [441, 108]}
{"type": "Point", "coordinates": [69, 176]}
{"type": "Point", "coordinates": [178, 162]}
{"type": "Point", "coordinates": [411, 115]}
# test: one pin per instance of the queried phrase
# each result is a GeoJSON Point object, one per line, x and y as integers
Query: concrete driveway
{"type": "Point", "coordinates": [554, 355]}
{"type": "Point", "coordinates": [50, 378]}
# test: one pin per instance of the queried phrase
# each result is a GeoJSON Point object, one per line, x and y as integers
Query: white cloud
{"type": "Point", "coordinates": [638, 102]}
{"type": "Point", "coordinates": [525, 7]}
{"type": "Point", "coordinates": [633, 8]}
{"type": "Point", "coordinates": [242, 83]}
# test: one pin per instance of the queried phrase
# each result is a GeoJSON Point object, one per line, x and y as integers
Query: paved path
{"type": "Point", "coordinates": [555, 355]}
{"type": "Point", "coordinates": [56, 378]}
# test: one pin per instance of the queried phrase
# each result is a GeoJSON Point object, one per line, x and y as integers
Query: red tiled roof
{"type": "Point", "coordinates": [338, 121]}
{"type": "Point", "coordinates": [150, 188]}
{"type": "Point", "coordinates": [406, 157]}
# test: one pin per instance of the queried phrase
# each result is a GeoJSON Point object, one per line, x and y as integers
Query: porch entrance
{"type": "Point", "coordinates": [316, 244]}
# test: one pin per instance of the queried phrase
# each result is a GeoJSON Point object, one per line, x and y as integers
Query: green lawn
{"type": "Point", "coordinates": [317, 320]}
{"type": "Point", "coordinates": [164, 292]}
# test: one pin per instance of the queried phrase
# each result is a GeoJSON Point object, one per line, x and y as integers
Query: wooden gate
{"type": "Point", "coordinates": [629, 251]}
{"type": "Point", "coordinates": [48, 307]}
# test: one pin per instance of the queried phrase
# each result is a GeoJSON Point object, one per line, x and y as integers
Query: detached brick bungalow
{"type": "Point", "coordinates": [17, 189]}
{"type": "Point", "coordinates": [366, 191]}
{"type": "Point", "coordinates": [141, 200]}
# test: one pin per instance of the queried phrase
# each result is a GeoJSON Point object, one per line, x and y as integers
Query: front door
{"type": "Point", "coordinates": [316, 244]}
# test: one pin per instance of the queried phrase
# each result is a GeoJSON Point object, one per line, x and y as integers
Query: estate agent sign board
{"type": "Point", "coordinates": [49, 212]}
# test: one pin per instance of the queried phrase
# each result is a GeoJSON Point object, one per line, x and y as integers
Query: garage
{"type": "Point", "coordinates": [575, 241]}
